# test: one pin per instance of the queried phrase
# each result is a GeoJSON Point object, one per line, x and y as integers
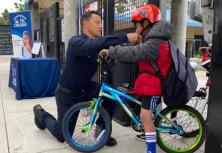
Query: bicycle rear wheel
{"type": "Point", "coordinates": [198, 102]}
{"type": "Point", "coordinates": [77, 117]}
{"type": "Point", "coordinates": [187, 118]}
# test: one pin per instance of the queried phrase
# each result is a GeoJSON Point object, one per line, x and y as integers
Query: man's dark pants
{"type": "Point", "coordinates": [64, 101]}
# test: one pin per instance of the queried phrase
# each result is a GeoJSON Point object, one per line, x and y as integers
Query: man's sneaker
{"type": "Point", "coordinates": [111, 142]}
{"type": "Point", "coordinates": [37, 109]}
{"type": "Point", "coordinates": [141, 137]}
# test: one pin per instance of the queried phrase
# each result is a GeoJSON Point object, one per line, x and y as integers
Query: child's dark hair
{"type": "Point", "coordinates": [141, 22]}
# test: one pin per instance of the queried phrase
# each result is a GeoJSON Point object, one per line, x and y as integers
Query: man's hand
{"type": "Point", "coordinates": [134, 37]}
{"type": "Point", "coordinates": [106, 51]}
{"type": "Point", "coordinates": [207, 48]}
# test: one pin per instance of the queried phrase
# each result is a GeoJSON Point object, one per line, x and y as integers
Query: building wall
{"type": "Point", "coordinates": [191, 31]}
{"type": "Point", "coordinates": [35, 19]}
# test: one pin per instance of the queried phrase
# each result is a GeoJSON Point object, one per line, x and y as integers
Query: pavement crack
{"type": "Point", "coordinates": [4, 117]}
{"type": "Point", "coordinates": [52, 150]}
{"type": "Point", "coordinates": [124, 135]}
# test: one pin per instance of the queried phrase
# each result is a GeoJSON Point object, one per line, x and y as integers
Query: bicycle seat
{"type": "Point", "coordinates": [130, 91]}
{"type": "Point", "coordinates": [199, 94]}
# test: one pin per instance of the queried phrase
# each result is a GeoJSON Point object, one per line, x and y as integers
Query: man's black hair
{"type": "Point", "coordinates": [86, 16]}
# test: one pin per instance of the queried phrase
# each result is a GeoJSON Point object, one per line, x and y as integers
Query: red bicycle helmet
{"type": "Point", "coordinates": [149, 11]}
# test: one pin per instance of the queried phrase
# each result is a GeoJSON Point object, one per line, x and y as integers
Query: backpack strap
{"type": "Point", "coordinates": [156, 69]}
{"type": "Point", "coordinates": [178, 60]}
{"type": "Point", "coordinates": [186, 70]}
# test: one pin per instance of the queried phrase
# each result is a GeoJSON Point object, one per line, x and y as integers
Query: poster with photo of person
{"type": "Point", "coordinates": [21, 30]}
{"type": "Point", "coordinates": [27, 45]}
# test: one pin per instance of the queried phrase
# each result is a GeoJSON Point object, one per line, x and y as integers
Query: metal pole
{"type": "Point", "coordinates": [110, 17]}
{"type": "Point", "coordinates": [214, 128]}
{"type": "Point", "coordinates": [70, 19]}
{"type": "Point", "coordinates": [105, 17]}
{"type": "Point", "coordinates": [178, 18]}
{"type": "Point", "coordinates": [154, 2]}
{"type": "Point", "coordinates": [80, 11]}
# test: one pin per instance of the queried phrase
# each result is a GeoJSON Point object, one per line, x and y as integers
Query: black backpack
{"type": "Point", "coordinates": [180, 84]}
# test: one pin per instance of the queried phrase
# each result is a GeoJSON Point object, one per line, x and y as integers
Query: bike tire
{"type": "Point", "coordinates": [199, 98]}
{"type": "Point", "coordinates": [75, 145]}
{"type": "Point", "coordinates": [194, 114]}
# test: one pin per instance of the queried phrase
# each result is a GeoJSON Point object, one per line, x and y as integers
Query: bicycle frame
{"type": "Point", "coordinates": [202, 108]}
{"type": "Point", "coordinates": [109, 92]}
{"type": "Point", "coordinates": [205, 101]}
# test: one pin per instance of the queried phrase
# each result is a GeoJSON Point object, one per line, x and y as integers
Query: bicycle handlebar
{"type": "Point", "coordinates": [107, 65]}
{"type": "Point", "coordinates": [104, 54]}
{"type": "Point", "coordinates": [202, 51]}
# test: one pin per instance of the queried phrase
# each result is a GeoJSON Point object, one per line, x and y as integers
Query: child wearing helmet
{"type": "Point", "coordinates": [154, 47]}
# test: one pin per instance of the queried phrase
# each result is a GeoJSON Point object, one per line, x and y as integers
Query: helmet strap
{"type": "Point", "coordinates": [149, 25]}
{"type": "Point", "coordinates": [145, 29]}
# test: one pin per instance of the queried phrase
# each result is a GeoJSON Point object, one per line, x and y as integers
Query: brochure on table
{"type": "Point", "coordinates": [43, 51]}
{"type": "Point", "coordinates": [36, 47]}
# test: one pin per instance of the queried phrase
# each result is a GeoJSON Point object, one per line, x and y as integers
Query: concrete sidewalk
{"type": "Point", "coordinates": [18, 133]}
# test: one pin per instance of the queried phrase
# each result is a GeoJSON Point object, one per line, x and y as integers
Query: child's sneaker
{"type": "Point", "coordinates": [141, 137]}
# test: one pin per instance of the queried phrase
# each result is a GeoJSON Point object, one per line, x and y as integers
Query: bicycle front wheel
{"type": "Point", "coordinates": [78, 117]}
{"type": "Point", "coordinates": [190, 121]}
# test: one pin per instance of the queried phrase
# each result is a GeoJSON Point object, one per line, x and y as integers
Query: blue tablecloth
{"type": "Point", "coordinates": [34, 77]}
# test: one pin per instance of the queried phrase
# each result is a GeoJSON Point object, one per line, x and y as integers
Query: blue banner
{"type": "Point", "coordinates": [21, 30]}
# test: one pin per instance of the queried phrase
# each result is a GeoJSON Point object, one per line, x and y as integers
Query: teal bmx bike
{"type": "Point", "coordinates": [87, 126]}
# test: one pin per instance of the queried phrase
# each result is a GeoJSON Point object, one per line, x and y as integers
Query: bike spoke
{"type": "Point", "coordinates": [78, 121]}
{"type": "Point", "coordinates": [188, 122]}
{"type": "Point", "coordinates": [78, 133]}
{"type": "Point", "coordinates": [173, 141]}
{"type": "Point", "coordinates": [92, 138]}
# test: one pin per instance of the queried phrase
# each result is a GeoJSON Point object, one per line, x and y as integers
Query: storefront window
{"type": "Point", "coordinates": [43, 34]}
{"type": "Point", "coordinates": [51, 29]}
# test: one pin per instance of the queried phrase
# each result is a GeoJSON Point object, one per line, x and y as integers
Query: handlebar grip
{"type": "Point", "coordinates": [203, 50]}
{"type": "Point", "coordinates": [104, 54]}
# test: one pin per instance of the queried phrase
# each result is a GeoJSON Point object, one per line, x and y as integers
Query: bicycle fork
{"type": "Point", "coordinates": [204, 106]}
{"type": "Point", "coordinates": [95, 106]}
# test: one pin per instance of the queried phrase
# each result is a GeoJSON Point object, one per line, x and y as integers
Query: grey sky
{"type": "Point", "coordinates": [8, 4]}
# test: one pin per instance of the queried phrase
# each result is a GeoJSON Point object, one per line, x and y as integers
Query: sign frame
{"type": "Point", "coordinates": [92, 6]}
